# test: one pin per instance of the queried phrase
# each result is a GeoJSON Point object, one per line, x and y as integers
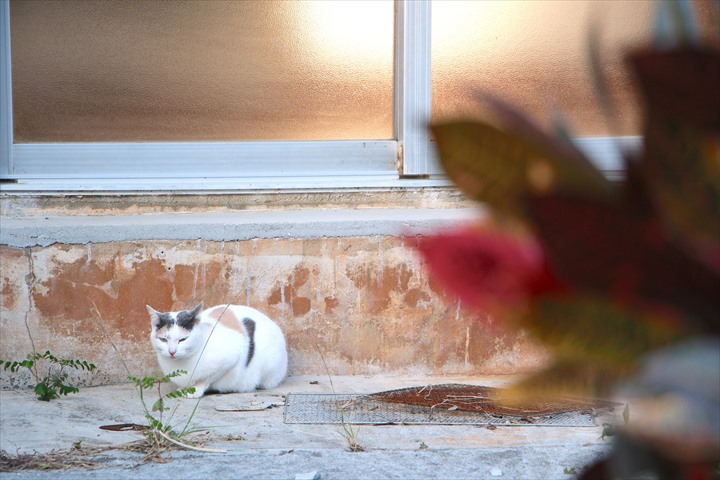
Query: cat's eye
{"type": "Point", "coordinates": [164, 340]}
{"type": "Point", "coordinates": [182, 339]}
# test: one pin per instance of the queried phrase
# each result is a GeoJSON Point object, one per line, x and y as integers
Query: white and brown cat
{"type": "Point", "coordinates": [226, 348]}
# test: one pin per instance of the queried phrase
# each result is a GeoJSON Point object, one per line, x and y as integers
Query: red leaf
{"type": "Point", "coordinates": [602, 247]}
{"type": "Point", "coordinates": [486, 269]}
{"type": "Point", "coordinates": [680, 84]}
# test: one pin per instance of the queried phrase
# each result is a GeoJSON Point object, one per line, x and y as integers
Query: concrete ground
{"type": "Point", "coordinates": [259, 445]}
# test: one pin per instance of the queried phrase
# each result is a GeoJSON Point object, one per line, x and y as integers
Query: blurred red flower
{"type": "Point", "coordinates": [487, 269]}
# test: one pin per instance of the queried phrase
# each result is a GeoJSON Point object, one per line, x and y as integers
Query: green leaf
{"type": "Point", "coordinates": [159, 406]}
{"type": "Point", "coordinates": [499, 167]}
{"type": "Point", "coordinates": [173, 374]}
{"type": "Point", "coordinates": [29, 364]}
{"type": "Point", "coordinates": [49, 356]}
{"type": "Point", "coordinates": [67, 389]}
{"type": "Point", "coordinates": [181, 393]}
{"type": "Point", "coordinates": [487, 164]}
{"type": "Point", "coordinates": [45, 393]}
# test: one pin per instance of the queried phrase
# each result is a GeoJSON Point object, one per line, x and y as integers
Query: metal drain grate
{"type": "Point", "coordinates": [375, 409]}
{"type": "Point", "coordinates": [477, 398]}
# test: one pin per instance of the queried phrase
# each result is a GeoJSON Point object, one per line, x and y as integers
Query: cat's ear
{"type": "Point", "coordinates": [191, 318]}
{"type": "Point", "coordinates": [196, 311]}
{"type": "Point", "coordinates": [154, 317]}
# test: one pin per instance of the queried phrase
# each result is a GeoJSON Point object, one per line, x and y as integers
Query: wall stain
{"type": "Point", "coordinates": [287, 293]}
{"type": "Point", "coordinates": [378, 285]}
{"type": "Point", "coordinates": [8, 295]}
{"type": "Point", "coordinates": [368, 312]}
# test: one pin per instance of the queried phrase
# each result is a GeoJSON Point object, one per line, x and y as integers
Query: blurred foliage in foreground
{"type": "Point", "coordinates": [621, 280]}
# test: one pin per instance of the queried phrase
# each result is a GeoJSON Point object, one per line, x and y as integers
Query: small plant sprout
{"type": "Point", "coordinates": [161, 429]}
{"type": "Point", "coordinates": [350, 435]}
{"type": "Point", "coordinates": [154, 414]}
{"type": "Point", "coordinates": [51, 384]}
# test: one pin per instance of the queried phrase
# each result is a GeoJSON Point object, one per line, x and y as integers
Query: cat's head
{"type": "Point", "coordinates": [171, 334]}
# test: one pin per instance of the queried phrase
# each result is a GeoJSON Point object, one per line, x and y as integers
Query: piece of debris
{"type": "Point", "coordinates": [314, 475]}
{"type": "Point", "coordinates": [124, 427]}
{"type": "Point", "coordinates": [423, 446]}
{"type": "Point", "coordinates": [607, 431]}
{"type": "Point", "coordinates": [496, 472]}
{"type": "Point", "coordinates": [249, 406]}
{"type": "Point", "coordinates": [314, 382]}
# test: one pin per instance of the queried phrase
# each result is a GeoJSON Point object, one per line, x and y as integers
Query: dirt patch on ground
{"type": "Point", "coordinates": [91, 458]}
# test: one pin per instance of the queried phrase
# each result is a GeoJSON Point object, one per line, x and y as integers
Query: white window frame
{"type": "Point", "coordinates": [406, 160]}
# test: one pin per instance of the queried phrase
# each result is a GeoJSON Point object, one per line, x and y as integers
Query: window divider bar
{"type": "Point", "coordinates": [6, 126]}
{"type": "Point", "coordinates": [412, 86]}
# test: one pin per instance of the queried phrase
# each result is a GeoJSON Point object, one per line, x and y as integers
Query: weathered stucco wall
{"type": "Point", "coordinates": [366, 303]}
{"type": "Point", "coordinates": [331, 268]}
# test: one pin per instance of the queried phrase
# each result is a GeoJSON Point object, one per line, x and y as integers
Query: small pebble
{"type": "Point", "coordinates": [496, 472]}
{"type": "Point", "coordinates": [314, 475]}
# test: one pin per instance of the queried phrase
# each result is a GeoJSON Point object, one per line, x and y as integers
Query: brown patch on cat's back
{"type": "Point", "coordinates": [226, 317]}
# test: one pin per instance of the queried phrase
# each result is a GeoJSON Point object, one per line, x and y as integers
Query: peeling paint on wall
{"type": "Point", "coordinates": [367, 303]}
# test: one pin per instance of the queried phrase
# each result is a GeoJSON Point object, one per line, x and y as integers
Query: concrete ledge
{"type": "Point", "coordinates": [44, 231]}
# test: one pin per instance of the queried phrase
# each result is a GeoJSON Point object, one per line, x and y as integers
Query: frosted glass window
{"type": "Point", "coordinates": [535, 55]}
{"type": "Point", "coordinates": [156, 71]}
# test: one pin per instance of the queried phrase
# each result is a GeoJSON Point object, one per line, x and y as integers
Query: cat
{"type": "Point", "coordinates": [226, 348]}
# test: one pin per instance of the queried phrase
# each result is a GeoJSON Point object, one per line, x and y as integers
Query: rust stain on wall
{"type": "Point", "coordinates": [147, 285]}
{"type": "Point", "coordinates": [377, 284]}
{"type": "Point", "coordinates": [71, 290]}
{"type": "Point", "coordinates": [8, 294]}
{"type": "Point", "coordinates": [184, 281]}
{"type": "Point", "coordinates": [288, 292]}
{"type": "Point", "coordinates": [365, 303]}
{"type": "Point", "coordinates": [415, 295]}
{"type": "Point", "coordinates": [331, 303]}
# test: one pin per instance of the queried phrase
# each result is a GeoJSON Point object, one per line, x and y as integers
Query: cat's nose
{"type": "Point", "coordinates": [172, 351]}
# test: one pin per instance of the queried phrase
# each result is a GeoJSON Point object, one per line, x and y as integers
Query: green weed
{"type": "Point", "coordinates": [52, 384]}
{"type": "Point", "coordinates": [156, 412]}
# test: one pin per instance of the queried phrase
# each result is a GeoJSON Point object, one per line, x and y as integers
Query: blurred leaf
{"type": "Point", "coordinates": [626, 414]}
{"type": "Point", "coordinates": [600, 85]}
{"type": "Point", "coordinates": [569, 378]}
{"type": "Point", "coordinates": [681, 85]}
{"type": "Point", "coordinates": [594, 330]}
{"type": "Point", "coordinates": [573, 172]}
{"type": "Point", "coordinates": [498, 167]}
{"type": "Point", "coordinates": [487, 164]}
{"type": "Point", "coordinates": [675, 25]}
{"type": "Point", "coordinates": [602, 247]}
{"type": "Point", "coordinates": [682, 168]}
{"type": "Point", "coordinates": [681, 163]}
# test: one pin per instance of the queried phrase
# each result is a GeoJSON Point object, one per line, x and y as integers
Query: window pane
{"type": "Point", "coordinates": [535, 55]}
{"type": "Point", "coordinates": [86, 71]}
